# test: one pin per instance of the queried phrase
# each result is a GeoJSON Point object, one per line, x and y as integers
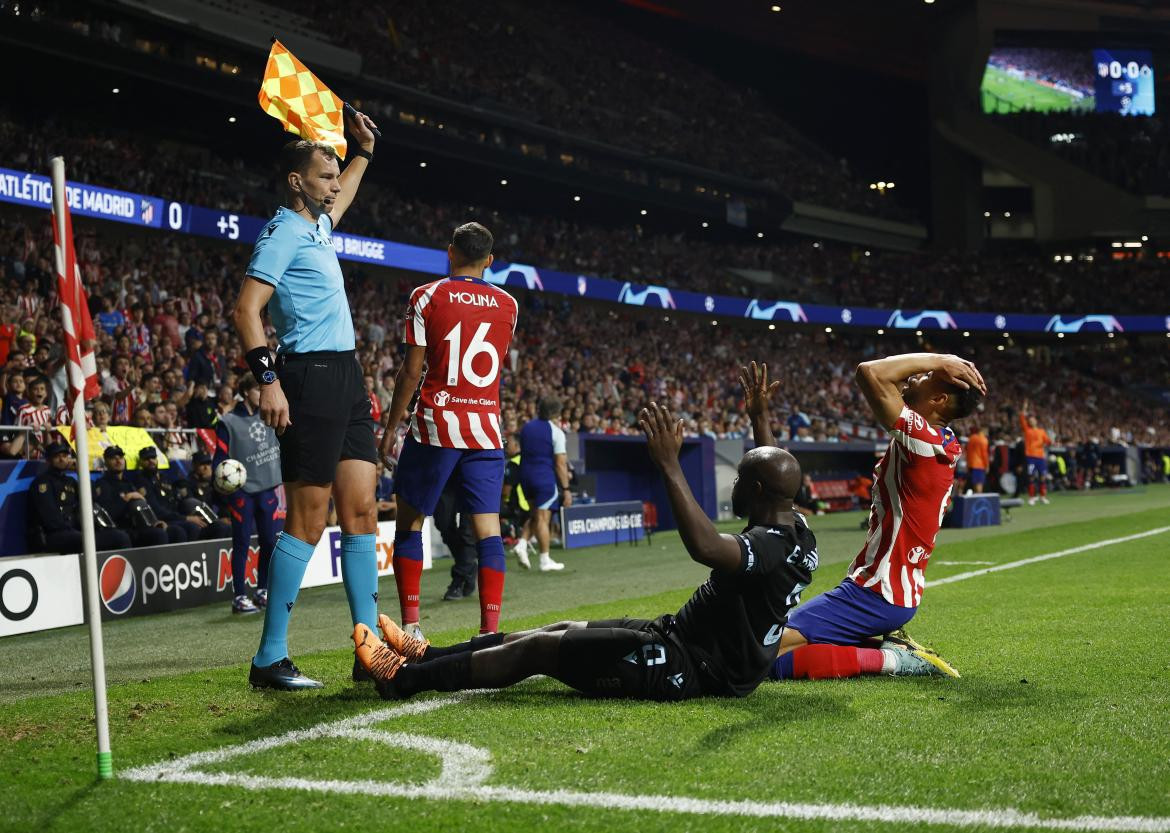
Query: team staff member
{"type": "Point", "coordinates": [314, 396]}
{"type": "Point", "coordinates": [977, 458]}
{"type": "Point", "coordinates": [55, 507]}
{"type": "Point", "coordinates": [115, 493]}
{"type": "Point", "coordinates": [543, 465]}
{"type": "Point", "coordinates": [721, 643]}
{"type": "Point", "coordinates": [241, 435]}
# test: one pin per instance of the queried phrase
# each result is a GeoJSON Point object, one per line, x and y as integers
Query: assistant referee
{"type": "Point", "coordinates": [312, 391]}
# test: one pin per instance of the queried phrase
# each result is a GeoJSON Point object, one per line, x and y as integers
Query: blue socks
{"type": "Point", "coordinates": [287, 568]}
{"type": "Point", "coordinates": [359, 572]}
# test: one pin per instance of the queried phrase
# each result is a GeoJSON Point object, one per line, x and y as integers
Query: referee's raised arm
{"type": "Point", "coordinates": [361, 127]}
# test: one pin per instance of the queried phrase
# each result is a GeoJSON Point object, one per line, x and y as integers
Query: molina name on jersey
{"type": "Point", "coordinates": [912, 483]}
{"type": "Point", "coordinates": [466, 326]}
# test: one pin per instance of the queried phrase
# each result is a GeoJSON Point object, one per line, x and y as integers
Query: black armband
{"type": "Point", "coordinates": [263, 365]}
{"type": "Point", "coordinates": [362, 152]}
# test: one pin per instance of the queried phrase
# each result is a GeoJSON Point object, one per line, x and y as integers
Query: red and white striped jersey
{"type": "Point", "coordinates": [466, 326]}
{"type": "Point", "coordinates": [912, 483]}
{"type": "Point", "coordinates": [40, 419]}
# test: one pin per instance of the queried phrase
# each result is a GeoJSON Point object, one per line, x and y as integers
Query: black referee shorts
{"type": "Point", "coordinates": [631, 658]}
{"type": "Point", "coordinates": [330, 413]}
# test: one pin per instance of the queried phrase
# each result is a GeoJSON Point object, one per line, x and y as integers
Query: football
{"type": "Point", "coordinates": [230, 475]}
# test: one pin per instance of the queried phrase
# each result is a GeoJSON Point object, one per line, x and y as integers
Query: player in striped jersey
{"type": "Point", "coordinates": [461, 327]}
{"type": "Point", "coordinates": [914, 396]}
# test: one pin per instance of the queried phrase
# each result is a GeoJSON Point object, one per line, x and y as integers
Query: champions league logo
{"type": "Point", "coordinates": [940, 318]}
{"type": "Point", "coordinates": [258, 432]}
{"type": "Point", "coordinates": [640, 298]}
{"type": "Point", "coordinates": [1094, 323]}
{"type": "Point", "coordinates": [516, 273]}
{"type": "Point", "coordinates": [789, 310]}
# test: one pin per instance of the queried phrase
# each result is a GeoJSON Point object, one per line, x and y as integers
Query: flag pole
{"type": "Point", "coordinates": [105, 762]}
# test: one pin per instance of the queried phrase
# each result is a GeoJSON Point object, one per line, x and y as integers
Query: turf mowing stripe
{"type": "Point", "coordinates": [1011, 565]}
{"type": "Point", "coordinates": [465, 768]}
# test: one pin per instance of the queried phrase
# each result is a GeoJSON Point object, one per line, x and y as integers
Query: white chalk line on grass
{"type": "Point", "coordinates": [1048, 556]}
{"type": "Point", "coordinates": [466, 768]}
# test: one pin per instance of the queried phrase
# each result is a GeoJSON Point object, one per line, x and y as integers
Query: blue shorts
{"type": "Point", "coordinates": [847, 615]}
{"type": "Point", "coordinates": [977, 477]}
{"type": "Point", "coordinates": [423, 472]}
{"type": "Point", "coordinates": [1037, 466]}
{"type": "Point", "coordinates": [541, 494]}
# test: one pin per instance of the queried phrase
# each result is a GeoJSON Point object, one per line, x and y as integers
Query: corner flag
{"type": "Point", "coordinates": [295, 97]}
{"type": "Point", "coordinates": [82, 382]}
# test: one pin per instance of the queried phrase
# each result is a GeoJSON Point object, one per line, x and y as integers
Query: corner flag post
{"type": "Point", "coordinates": [66, 266]}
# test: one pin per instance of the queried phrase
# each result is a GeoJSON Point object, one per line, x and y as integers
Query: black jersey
{"type": "Point", "coordinates": [732, 624]}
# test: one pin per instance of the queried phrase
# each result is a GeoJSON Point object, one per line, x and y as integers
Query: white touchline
{"type": "Point", "coordinates": [466, 768]}
{"type": "Point", "coordinates": [1011, 565]}
{"type": "Point", "coordinates": [964, 563]}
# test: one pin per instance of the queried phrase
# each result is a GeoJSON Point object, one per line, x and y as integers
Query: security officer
{"type": "Point", "coordinates": [160, 494]}
{"type": "Point", "coordinates": [115, 493]}
{"type": "Point", "coordinates": [199, 487]}
{"type": "Point", "coordinates": [55, 509]}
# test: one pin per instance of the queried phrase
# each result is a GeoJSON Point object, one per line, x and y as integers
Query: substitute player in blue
{"type": "Point", "coordinates": [544, 476]}
{"type": "Point", "coordinates": [312, 391]}
{"type": "Point", "coordinates": [241, 435]}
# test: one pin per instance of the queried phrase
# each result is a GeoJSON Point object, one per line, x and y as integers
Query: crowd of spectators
{"type": "Point", "coordinates": [169, 359]}
{"type": "Point", "coordinates": [792, 268]}
{"type": "Point", "coordinates": [566, 66]}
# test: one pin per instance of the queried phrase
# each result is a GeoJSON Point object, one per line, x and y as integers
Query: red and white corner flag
{"type": "Point", "coordinates": [75, 317]}
{"type": "Point", "coordinates": [83, 383]}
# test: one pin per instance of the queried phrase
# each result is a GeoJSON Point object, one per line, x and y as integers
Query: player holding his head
{"type": "Point", "coordinates": [460, 328]}
{"type": "Point", "coordinates": [1036, 441]}
{"type": "Point", "coordinates": [721, 643]}
{"type": "Point", "coordinates": [312, 393]}
{"type": "Point", "coordinates": [915, 397]}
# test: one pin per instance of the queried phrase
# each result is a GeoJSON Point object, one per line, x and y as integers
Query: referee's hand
{"type": "Point", "coordinates": [274, 407]}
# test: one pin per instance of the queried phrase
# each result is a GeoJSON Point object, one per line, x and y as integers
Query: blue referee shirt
{"type": "Point", "coordinates": [309, 308]}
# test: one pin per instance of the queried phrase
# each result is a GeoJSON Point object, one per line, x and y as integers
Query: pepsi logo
{"type": "Point", "coordinates": [118, 585]}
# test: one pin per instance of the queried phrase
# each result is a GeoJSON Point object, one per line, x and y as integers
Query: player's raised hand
{"type": "Point", "coordinates": [757, 393]}
{"type": "Point", "coordinates": [274, 407]}
{"type": "Point", "coordinates": [664, 434]}
{"type": "Point", "coordinates": [961, 372]}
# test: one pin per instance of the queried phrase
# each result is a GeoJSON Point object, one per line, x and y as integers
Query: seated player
{"type": "Point", "coordinates": [722, 642]}
{"type": "Point", "coordinates": [914, 396]}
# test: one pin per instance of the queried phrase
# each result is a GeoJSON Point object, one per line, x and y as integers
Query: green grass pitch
{"type": "Point", "coordinates": [1002, 94]}
{"type": "Point", "coordinates": [1059, 720]}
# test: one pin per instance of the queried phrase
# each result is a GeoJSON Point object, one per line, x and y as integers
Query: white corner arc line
{"type": "Point", "coordinates": [1048, 556]}
{"type": "Point", "coordinates": [461, 780]}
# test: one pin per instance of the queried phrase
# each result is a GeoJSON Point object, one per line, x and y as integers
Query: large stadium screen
{"type": "Point", "coordinates": [1069, 80]}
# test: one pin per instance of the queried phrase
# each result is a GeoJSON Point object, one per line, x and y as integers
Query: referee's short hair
{"type": "Point", "coordinates": [296, 155]}
{"type": "Point", "coordinates": [473, 242]}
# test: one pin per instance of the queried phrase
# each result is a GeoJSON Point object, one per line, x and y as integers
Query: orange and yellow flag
{"type": "Point", "coordinates": [295, 97]}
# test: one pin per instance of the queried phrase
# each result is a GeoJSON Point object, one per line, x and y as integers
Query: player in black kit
{"type": "Point", "coordinates": [721, 643]}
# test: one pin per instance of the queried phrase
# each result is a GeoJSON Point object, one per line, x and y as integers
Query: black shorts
{"type": "Point", "coordinates": [631, 658]}
{"type": "Point", "coordinates": [330, 413]}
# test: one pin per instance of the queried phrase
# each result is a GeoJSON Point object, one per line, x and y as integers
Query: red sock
{"type": "Point", "coordinates": [1031, 490]}
{"type": "Point", "coordinates": [491, 595]}
{"type": "Point", "coordinates": [1043, 490]}
{"type": "Point", "coordinates": [407, 577]}
{"type": "Point", "coordinates": [828, 662]}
